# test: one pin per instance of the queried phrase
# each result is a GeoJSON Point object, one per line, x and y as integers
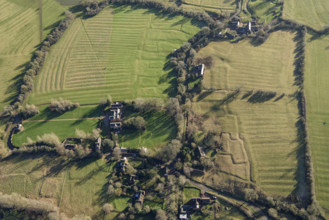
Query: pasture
{"type": "Point", "coordinates": [310, 13]}
{"type": "Point", "coordinates": [316, 91]}
{"type": "Point", "coordinates": [122, 52]}
{"type": "Point", "coordinates": [20, 34]}
{"type": "Point", "coordinates": [76, 187]}
{"type": "Point", "coordinates": [266, 127]}
{"type": "Point", "coordinates": [268, 67]}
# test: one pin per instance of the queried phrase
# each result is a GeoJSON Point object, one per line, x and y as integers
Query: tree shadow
{"type": "Point", "coordinates": [261, 96]}
{"type": "Point", "coordinates": [204, 94]}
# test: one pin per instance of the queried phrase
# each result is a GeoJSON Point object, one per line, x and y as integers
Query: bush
{"type": "Point", "coordinates": [62, 105]}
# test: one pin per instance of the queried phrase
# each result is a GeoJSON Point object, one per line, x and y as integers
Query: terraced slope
{"type": "Point", "coordinates": [313, 13]}
{"type": "Point", "coordinates": [121, 52]}
{"type": "Point", "coordinates": [266, 126]}
{"type": "Point", "coordinates": [316, 92]}
{"type": "Point", "coordinates": [20, 34]}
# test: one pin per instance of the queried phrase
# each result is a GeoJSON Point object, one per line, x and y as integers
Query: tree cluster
{"type": "Point", "coordinates": [61, 105]}
{"type": "Point", "coordinates": [136, 123]}
{"type": "Point", "coordinates": [144, 105]}
{"type": "Point", "coordinates": [29, 111]}
{"type": "Point", "coordinates": [174, 110]}
{"type": "Point", "coordinates": [21, 203]}
{"type": "Point", "coordinates": [169, 152]}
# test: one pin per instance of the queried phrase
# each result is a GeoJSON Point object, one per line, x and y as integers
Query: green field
{"type": "Point", "coordinates": [20, 34]}
{"type": "Point", "coordinates": [264, 10]}
{"type": "Point", "coordinates": [268, 67]}
{"type": "Point", "coordinates": [76, 187]}
{"type": "Point", "coordinates": [267, 128]}
{"type": "Point", "coordinates": [316, 91]}
{"type": "Point", "coordinates": [160, 129]}
{"type": "Point", "coordinates": [121, 52]}
{"type": "Point", "coordinates": [313, 13]}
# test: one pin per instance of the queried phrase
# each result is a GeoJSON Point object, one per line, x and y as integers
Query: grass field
{"type": "Point", "coordinates": [269, 133]}
{"type": "Point", "coordinates": [191, 192]}
{"type": "Point", "coordinates": [62, 129]}
{"type": "Point", "coordinates": [122, 52]}
{"type": "Point", "coordinates": [77, 187]}
{"type": "Point", "coordinates": [313, 13]}
{"type": "Point", "coordinates": [316, 91]}
{"type": "Point", "coordinates": [211, 5]}
{"type": "Point", "coordinates": [268, 67]}
{"type": "Point", "coordinates": [267, 128]}
{"type": "Point", "coordinates": [160, 129]}
{"type": "Point", "coordinates": [20, 34]}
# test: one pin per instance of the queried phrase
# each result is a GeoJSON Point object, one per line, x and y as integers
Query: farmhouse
{"type": "Point", "coordinates": [139, 197]}
{"type": "Point", "coordinates": [198, 70]}
{"type": "Point", "coordinates": [123, 164]}
{"type": "Point", "coordinates": [116, 116]}
{"type": "Point", "coordinates": [115, 125]}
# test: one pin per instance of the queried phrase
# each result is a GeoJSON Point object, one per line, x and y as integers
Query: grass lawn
{"type": "Point", "coordinates": [316, 92]}
{"type": "Point", "coordinates": [122, 52]}
{"type": "Point", "coordinates": [62, 129]}
{"type": "Point", "coordinates": [313, 13]}
{"type": "Point", "coordinates": [160, 129]}
{"type": "Point", "coordinates": [120, 203]}
{"type": "Point", "coordinates": [191, 192]}
{"type": "Point", "coordinates": [20, 34]}
{"type": "Point", "coordinates": [80, 185]}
